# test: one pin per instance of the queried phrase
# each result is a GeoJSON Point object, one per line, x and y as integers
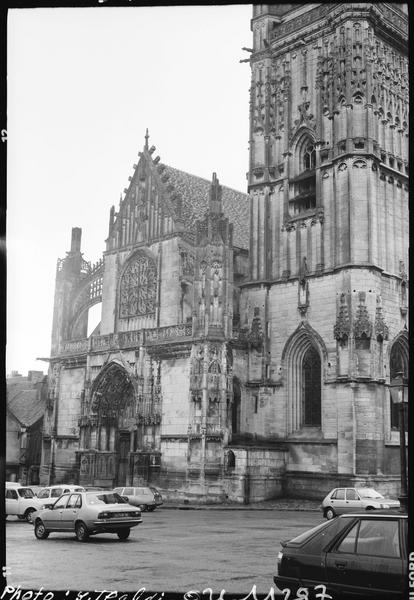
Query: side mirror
{"type": "Point", "coordinates": [49, 506]}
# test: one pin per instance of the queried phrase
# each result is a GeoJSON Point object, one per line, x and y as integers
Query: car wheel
{"type": "Point", "coordinates": [81, 531]}
{"type": "Point", "coordinates": [28, 515]}
{"type": "Point", "coordinates": [123, 534]}
{"type": "Point", "coordinates": [329, 513]}
{"type": "Point", "coordinates": [21, 517]}
{"type": "Point", "coordinates": [40, 530]}
{"type": "Point", "coordinates": [151, 508]}
{"type": "Point", "coordinates": [143, 507]}
{"type": "Point", "coordinates": [369, 508]}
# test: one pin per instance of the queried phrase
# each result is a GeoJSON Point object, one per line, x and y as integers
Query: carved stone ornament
{"type": "Point", "coordinates": [381, 329]}
{"type": "Point", "coordinates": [303, 288]}
{"type": "Point", "coordinates": [255, 336]}
{"type": "Point", "coordinates": [403, 272]}
{"type": "Point", "coordinates": [362, 323]}
{"type": "Point", "coordinates": [342, 326]}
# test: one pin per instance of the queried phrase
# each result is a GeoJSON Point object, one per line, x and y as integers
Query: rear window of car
{"type": "Point", "coordinates": [129, 491]}
{"type": "Point", "coordinates": [323, 529]}
{"type": "Point", "coordinates": [56, 492]}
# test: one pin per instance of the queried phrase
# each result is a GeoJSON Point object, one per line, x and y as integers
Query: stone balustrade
{"type": "Point", "coordinates": [127, 339]}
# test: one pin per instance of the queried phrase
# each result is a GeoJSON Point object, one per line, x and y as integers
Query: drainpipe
{"type": "Point", "coordinates": [246, 490]}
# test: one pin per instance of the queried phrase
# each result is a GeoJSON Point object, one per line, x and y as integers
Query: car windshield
{"type": "Point", "coordinates": [368, 493]}
{"type": "Point", "coordinates": [111, 498]}
{"type": "Point", "coordinates": [25, 493]}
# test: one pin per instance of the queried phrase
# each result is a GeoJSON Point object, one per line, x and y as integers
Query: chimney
{"type": "Point", "coordinates": [76, 240]}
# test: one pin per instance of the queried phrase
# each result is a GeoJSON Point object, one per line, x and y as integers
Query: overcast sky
{"type": "Point", "coordinates": [83, 85]}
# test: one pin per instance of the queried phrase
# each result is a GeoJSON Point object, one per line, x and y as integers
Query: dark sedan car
{"type": "Point", "coordinates": [87, 513]}
{"type": "Point", "coordinates": [362, 555]}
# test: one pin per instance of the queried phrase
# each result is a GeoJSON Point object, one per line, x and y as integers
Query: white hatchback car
{"type": "Point", "coordinates": [345, 500]}
{"type": "Point", "coordinates": [21, 501]}
{"type": "Point", "coordinates": [52, 492]}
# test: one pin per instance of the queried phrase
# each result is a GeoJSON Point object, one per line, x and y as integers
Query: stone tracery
{"type": "Point", "coordinates": [138, 291]}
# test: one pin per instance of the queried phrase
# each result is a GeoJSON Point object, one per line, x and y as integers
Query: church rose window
{"type": "Point", "coordinates": [138, 288]}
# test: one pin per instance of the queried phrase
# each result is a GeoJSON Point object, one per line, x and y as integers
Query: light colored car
{"type": "Point", "coordinates": [85, 514]}
{"type": "Point", "coordinates": [54, 491]}
{"type": "Point", "coordinates": [147, 498]}
{"type": "Point", "coordinates": [21, 501]}
{"type": "Point", "coordinates": [345, 500]}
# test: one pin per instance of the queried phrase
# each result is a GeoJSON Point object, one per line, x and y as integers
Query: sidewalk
{"type": "Point", "coordinates": [293, 504]}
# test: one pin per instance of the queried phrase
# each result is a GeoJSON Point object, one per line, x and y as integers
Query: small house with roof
{"type": "Point", "coordinates": [26, 403]}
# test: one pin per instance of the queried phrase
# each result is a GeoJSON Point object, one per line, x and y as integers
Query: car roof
{"type": "Point", "coordinates": [62, 485]}
{"type": "Point", "coordinates": [376, 513]}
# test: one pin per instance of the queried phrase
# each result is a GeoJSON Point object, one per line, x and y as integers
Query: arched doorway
{"type": "Point", "coordinates": [108, 427]}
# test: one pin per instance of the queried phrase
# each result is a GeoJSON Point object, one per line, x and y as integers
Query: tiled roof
{"type": "Point", "coordinates": [27, 405]}
{"type": "Point", "coordinates": [194, 192]}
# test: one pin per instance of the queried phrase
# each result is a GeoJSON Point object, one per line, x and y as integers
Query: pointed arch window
{"type": "Point", "coordinates": [398, 364]}
{"type": "Point", "coordinates": [309, 157]}
{"type": "Point", "coordinates": [311, 392]}
{"type": "Point", "coordinates": [303, 186]}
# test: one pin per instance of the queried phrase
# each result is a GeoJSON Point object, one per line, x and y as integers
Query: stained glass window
{"type": "Point", "coordinates": [138, 288]}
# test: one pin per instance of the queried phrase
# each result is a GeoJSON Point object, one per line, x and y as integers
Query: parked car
{"type": "Point", "coordinates": [362, 555]}
{"type": "Point", "coordinates": [147, 498]}
{"type": "Point", "coordinates": [54, 491]}
{"type": "Point", "coordinates": [21, 501]}
{"type": "Point", "coordinates": [342, 500]}
{"type": "Point", "coordinates": [87, 513]}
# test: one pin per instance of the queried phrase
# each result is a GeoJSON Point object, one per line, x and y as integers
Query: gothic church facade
{"type": "Point", "coordinates": [247, 343]}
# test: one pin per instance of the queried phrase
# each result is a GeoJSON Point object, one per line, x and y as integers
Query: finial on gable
{"type": "Point", "coordinates": [146, 139]}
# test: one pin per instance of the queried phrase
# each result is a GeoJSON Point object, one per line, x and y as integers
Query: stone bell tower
{"type": "Point", "coordinates": [328, 186]}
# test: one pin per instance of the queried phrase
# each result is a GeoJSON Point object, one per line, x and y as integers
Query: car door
{"type": "Point", "coordinates": [352, 500]}
{"type": "Point", "coordinates": [12, 502]}
{"type": "Point", "coordinates": [338, 501]}
{"type": "Point", "coordinates": [70, 512]}
{"type": "Point", "coordinates": [52, 517]}
{"type": "Point", "coordinates": [368, 560]}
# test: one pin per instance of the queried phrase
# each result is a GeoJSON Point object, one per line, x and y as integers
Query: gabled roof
{"type": "Point", "coordinates": [161, 201]}
{"type": "Point", "coordinates": [27, 405]}
{"type": "Point", "coordinates": [194, 192]}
